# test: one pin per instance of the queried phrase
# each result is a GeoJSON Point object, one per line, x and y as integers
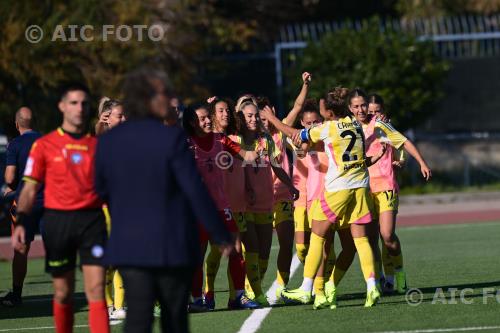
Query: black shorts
{"type": "Point", "coordinates": [65, 233]}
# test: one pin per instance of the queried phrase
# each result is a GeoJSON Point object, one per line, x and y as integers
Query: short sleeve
{"type": "Point", "coordinates": [319, 133]}
{"type": "Point", "coordinates": [11, 154]}
{"type": "Point", "coordinates": [35, 165]}
{"type": "Point", "coordinates": [386, 132]}
{"type": "Point", "coordinates": [230, 146]}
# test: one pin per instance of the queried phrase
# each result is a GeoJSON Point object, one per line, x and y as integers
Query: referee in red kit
{"type": "Point", "coordinates": [73, 222]}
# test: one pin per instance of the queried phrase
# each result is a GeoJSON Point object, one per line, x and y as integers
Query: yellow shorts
{"type": "Point", "coordinates": [241, 223]}
{"type": "Point", "coordinates": [259, 218]}
{"type": "Point", "coordinates": [300, 219]}
{"type": "Point", "coordinates": [316, 204]}
{"type": "Point", "coordinates": [344, 207]}
{"type": "Point", "coordinates": [283, 211]}
{"type": "Point", "coordinates": [385, 201]}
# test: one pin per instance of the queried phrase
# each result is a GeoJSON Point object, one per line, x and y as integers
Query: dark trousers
{"type": "Point", "coordinates": [143, 286]}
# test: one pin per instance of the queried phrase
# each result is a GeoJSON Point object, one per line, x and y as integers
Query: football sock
{"type": "Point", "coordinates": [63, 317]}
{"type": "Point", "coordinates": [366, 258]}
{"type": "Point", "coordinates": [119, 290]}
{"type": "Point", "coordinates": [302, 251]}
{"type": "Point", "coordinates": [253, 275]}
{"type": "Point", "coordinates": [212, 263]}
{"type": "Point", "coordinates": [98, 317]}
{"type": "Point", "coordinates": [282, 278]}
{"type": "Point", "coordinates": [314, 256]}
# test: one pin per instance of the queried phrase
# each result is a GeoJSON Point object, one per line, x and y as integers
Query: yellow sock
{"type": "Point", "coordinates": [253, 275]}
{"type": "Point", "coordinates": [366, 258]}
{"type": "Point", "coordinates": [314, 256]}
{"type": "Point", "coordinates": [119, 290]}
{"type": "Point", "coordinates": [212, 263]}
{"type": "Point", "coordinates": [108, 288]}
{"type": "Point", "coordinates": [263, 267]}
{"type": "Point", "coordinates": [397, 262]}
{"type": "Point", "coordinates": [330, 263]}
{"type": "Point", "coordinates": [387, 262]}
{"type": "Point", "coordinates": [319, 285]}
{"type": "Point", "coordinates": [302, 251]}
{"type": "Point", "coordinates": [282, 278]}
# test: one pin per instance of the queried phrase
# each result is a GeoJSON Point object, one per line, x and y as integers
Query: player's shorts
{"type": "Point", "coordinates": [385, 201]}
{"type": "Point", "coordinates": [283, 211]}
{"type": "Point", "coordinates": [300, 219]}
{"type": "Point", "coordinates": [345, 207]}
{"type": "Point", "coordinates": [31, 223]}
{"type": "Point", "coordinates": [316, 204]}
{"type": "Point", "coordinates": [66, 233]}
{"type": "Point", "coordinates": [259, 218]}
{"type": "Point", "coordinates": [229, 222]}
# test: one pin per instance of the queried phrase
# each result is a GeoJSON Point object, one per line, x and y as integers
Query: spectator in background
{"type": "Point", "coordinates": [17, 154]}
{"type": "Point", "coordinates": [156, 198]}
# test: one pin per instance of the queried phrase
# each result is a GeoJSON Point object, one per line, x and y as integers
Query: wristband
{"type": "Point", "coordinates": [304, 135]}
{"type": "Point", "coordinates": [21, 219]}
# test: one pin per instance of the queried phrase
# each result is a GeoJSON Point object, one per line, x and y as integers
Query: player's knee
{"type": "Point", "coordinates": [302, 251]}
{"type": "Point", "coordinates": [94, 291]}
{"type": "Point", "coordinates": [62, 295]}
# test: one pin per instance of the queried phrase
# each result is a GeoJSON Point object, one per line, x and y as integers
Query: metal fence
{"type": "Point", "coordinates": [453, 37]}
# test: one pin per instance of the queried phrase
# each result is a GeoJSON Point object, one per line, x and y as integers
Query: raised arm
{"type": "Point", "coordinates": [299, 101]}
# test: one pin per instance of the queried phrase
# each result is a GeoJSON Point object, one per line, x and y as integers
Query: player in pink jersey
{"type": "Point", "coordinates": [210, 150]}
{"type": "Point", "coordinates": [283, 206]}
{"type": "Point", "coordinates": [259, 175]}
{"type": "Point", "coordinates": [299, 172]}
{"type": "Point", "coordinates": [383, 183]}
{"type": "Point", "coordinates": [234, 182]}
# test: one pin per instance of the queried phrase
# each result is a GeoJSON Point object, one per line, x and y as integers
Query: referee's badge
{"type": "Point", "coordinates": [97, 251]}
{"type": "Point", "coordinates": [76, 158]}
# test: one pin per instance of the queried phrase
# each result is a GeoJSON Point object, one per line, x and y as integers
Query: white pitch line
{"type": "Point", "coordinates": [253, 322]}
{"type": "Point", "coordinates": [457, 329]}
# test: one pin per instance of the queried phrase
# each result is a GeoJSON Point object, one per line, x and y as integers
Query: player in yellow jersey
{"type": "Point", "coordinates": [346, 200]}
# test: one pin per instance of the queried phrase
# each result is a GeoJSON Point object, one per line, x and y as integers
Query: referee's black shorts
{"type": "Point", "coordinates": [66, 233]}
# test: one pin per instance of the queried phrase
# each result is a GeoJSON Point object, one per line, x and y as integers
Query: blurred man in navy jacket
{"type": "Point", "coordinates": [148, 177]}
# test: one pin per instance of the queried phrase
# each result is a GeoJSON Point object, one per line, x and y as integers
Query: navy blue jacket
{"type": "Point", "coordinates": [148, 176]}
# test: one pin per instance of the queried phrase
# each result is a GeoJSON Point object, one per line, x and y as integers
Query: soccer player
{"type": "Point", "coordinates": [383, 183]}
{"type": "Point", "coordinates": [283, 206]}
{"type": "Point", "coordinates": [299, 174]}
{"type": "Point", "coordinates": [259, 216]}
{"type": "Point", "coordinates": [110, 115]}
{"type": "Point", "coordinates": [73, 222]}
{"type": "Point", "coordinates": [17, 154]}
{"type": "Point", "coordinates": [208, 148]}
{"type": "Point", "coordinates": [346, 200]}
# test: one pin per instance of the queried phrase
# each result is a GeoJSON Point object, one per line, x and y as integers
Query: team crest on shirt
{"type": "Point", "coordinates": [76, 158]}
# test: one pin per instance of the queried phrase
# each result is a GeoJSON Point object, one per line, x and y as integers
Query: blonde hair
{"type": "Point", "coordinates": [107, 104]}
